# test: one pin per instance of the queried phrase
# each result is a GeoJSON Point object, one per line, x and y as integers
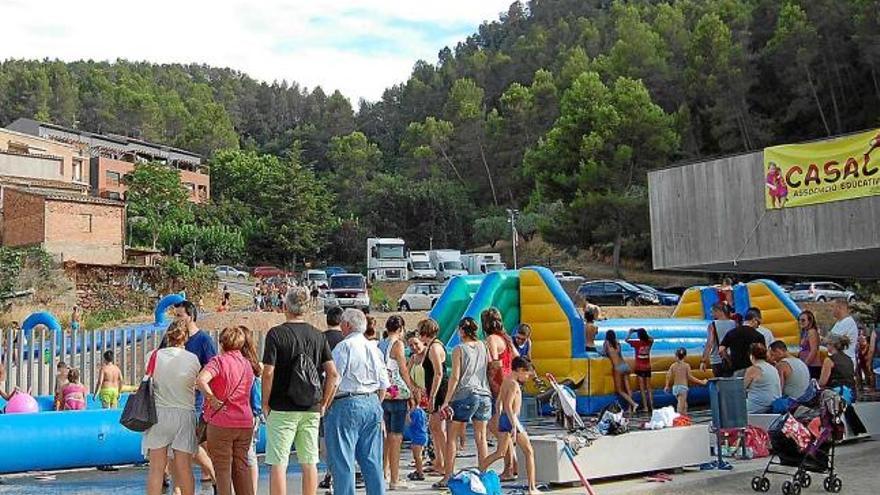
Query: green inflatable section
{"type": "Point", "coordinates": [448, 310]}
{"type": "Point", "coordinates": [499, 290]}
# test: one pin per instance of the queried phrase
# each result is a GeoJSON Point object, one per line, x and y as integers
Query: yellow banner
{"type": "Point", "coordinates": [832, 170]}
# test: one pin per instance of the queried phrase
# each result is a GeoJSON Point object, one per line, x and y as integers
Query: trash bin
{"type": "Point", "coordinates": [727, 398]}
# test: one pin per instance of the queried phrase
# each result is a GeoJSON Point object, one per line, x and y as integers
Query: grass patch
{"type": "Point", "coordinates": [99, 319]}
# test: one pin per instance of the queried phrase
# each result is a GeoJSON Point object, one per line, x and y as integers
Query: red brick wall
{"type": "Point", "coordinates": [23, 222]}
{"type": "Point", "coordinates": [102, 185]}
{"type": "Point", "coordinates": [198, 184]}
{"type": "Point", "coordinates": [84, 232]}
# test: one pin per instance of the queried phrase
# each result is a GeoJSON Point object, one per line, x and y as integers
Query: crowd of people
{"type": "Point", "coordinates": [739, 345]}
{"type": "Point", "coordinates": [344, 393]}
{"type": "Point", "coordinates": [356, 394]}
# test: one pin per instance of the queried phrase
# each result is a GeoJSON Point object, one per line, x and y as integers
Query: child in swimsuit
{"type": "Point", "coordinates": [109, 385]}
{"type": "Point", "coordinates": [680, 376]}
{"type": "Point", "coordinates": [74, 393]}
{"type": "Point", "coordinates": [60, 382]}
{"type": "Point", "coordinates": [621, 370]}
{"type": "Point", "coordinates": [642, 345]}
{"type": "Point", "coordinates": [509, 427]}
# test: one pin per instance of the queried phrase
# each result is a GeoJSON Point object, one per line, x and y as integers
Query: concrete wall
{"type": "Point", "coordinates": [706, 215]}
{"type": "Point", "coordinates": [30, 166]}
{"type": "Point", "coordinates": [23, 222]}
{"type": "Point", "coordinates": [85, 232]}
{"type": "Point", "coordinates": [70, 155]}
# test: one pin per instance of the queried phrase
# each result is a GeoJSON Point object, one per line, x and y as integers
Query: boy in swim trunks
{"type": "Point", "coordinates": [510, 431]}
{"type": "Point", "coordinates": [61, 370]}
{"type": "Point", "coordinates": [680, 376]}
{"type": "Point", "coordinates": [109, 385]}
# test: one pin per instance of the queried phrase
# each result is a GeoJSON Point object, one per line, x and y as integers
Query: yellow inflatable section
{"type": "Point", "coordinates": [779, 312]}
{"type": "Point", "coordinates": [555, 324]}
{"type": "Point", "coordinates": [690, 305]}
{"type": "Point", "coordinates": [777, 316]}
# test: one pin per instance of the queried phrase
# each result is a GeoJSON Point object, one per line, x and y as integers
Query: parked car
{"type": "Point", "coordinates": [820, 292]}
{"type": "Point", "coordinates": [269, 271]}
{"type": "Point", "coordinates": [420, 297]}
{"type": "Point", "coordinates": [567, 276]}
{"type": "Point", "coordinates": [229, 272]}
{"type": "Point", "coordinates": [347, 290]}
{"type": "Point", "coordinates": [666, 298]}
{"type": "Point", "coordinates": [616, 293]}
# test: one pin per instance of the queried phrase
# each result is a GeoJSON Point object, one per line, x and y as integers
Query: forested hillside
{"type": "Point", "coordinates": [558, 108]}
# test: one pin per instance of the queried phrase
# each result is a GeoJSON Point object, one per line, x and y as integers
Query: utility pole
{"type": "Point", "coordinates": [512, 215]}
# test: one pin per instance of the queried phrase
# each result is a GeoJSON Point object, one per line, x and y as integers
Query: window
{"type": "Point", "coordinates": [612, 288]}
{"type": "Point", "coordinates": [591, 289]}
{"type": "Point", "coordinates": [190, 187]}
{"type": "Point", "coordinates": [85, 223]}
{"type": "Point", "coordinates": [77, 170]}
{"type": "Point", "coordinates": [113, 178]}
{"type": "Point", "coordinates": [112, 195]}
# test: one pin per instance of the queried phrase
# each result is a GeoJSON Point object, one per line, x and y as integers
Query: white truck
{"type": "Point", "coordinates": [482, 263]}
{"type": "Point", "coordinates": [386, 259]}
{"type": "Point", "coordinates": [419, 266]}
{"type": "Point", "coordinates": [447, 262]}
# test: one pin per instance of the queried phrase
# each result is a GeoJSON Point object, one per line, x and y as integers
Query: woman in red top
{"type": "Point", "coordinates": [642, 344]}
{"type": "Point", "coordinates": [501, 354]}
{"type": "Point", "coordinates": [226, 382]}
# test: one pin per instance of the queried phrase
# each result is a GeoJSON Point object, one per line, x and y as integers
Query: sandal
{"type": "Point", "coordinates": [415, 476]}
{"type": "Point", "coordinates": [440, 485]}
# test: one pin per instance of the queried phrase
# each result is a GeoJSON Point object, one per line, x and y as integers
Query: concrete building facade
{"type": "Point", "coordinates": [71, 227]}
{"type": "Point", "coordinates": [711, 217]}
{"type": "Point", "coordinates": [26, 155]}
{"type": "Point", "coordinates": [110, 157]}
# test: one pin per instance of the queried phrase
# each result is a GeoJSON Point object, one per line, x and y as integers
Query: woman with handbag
{"type": "Point", "coordinates": [228, 420]}
{"type": "Point", "coordinates": [396, 404]}
{"type": "Point", "coordinates": [173, 436]}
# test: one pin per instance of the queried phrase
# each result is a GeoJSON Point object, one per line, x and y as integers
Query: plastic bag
{"type": "Point", "coordinates": [472, 482]}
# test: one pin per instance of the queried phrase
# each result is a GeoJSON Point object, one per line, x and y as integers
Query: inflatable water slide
{"type": "Point", "coordinates": [41, 439]}
{"type": "Point", "coordinates": [533, 295]}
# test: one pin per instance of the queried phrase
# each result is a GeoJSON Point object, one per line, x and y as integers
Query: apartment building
{"type": "Point", "coordinates": [111, 157]}
{"type": "Point", "coordinates": [29, 156]}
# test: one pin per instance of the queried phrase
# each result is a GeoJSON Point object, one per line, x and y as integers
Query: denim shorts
{"type": "Point", "coordinates": [472, 408]}
{"type": "Point", "coordinates": [395, 415]}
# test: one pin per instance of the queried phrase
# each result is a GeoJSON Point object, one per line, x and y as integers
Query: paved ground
{"type": "Point", "coordinates": [855, 463]}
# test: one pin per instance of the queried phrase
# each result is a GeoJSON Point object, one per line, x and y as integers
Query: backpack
{"type": "Point", "coordinates": [305, 383]}
{"type": "Point", "coordinates": [305, 388]}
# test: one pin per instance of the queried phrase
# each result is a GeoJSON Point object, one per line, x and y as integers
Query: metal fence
{"type": "Point", "coordinates": [31, 362]}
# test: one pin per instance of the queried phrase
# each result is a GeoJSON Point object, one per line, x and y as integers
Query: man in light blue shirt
{"type": "Point", "coordinates": [353, 424]}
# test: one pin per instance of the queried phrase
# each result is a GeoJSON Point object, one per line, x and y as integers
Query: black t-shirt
{"type": "Point", "coordinates": [283, 343]}
{"type": "Point", "coordinates": [738, 341]}
{"type": "Point", "coordinates": [333, 336]}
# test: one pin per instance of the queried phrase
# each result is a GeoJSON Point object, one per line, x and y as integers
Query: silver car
{"type": "Point", "coordinates": [820, 292]}
{"type": "Point", "coordinates": [229, 272]}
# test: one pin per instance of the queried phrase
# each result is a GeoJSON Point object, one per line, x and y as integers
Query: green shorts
{"type": "Point", "coordinates": [286, 428]}
{"type": "Point", "coordinates": [109, 398]}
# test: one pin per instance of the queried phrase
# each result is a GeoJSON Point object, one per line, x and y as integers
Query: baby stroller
{"type": "Point", "coordinates": [803, 441]}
